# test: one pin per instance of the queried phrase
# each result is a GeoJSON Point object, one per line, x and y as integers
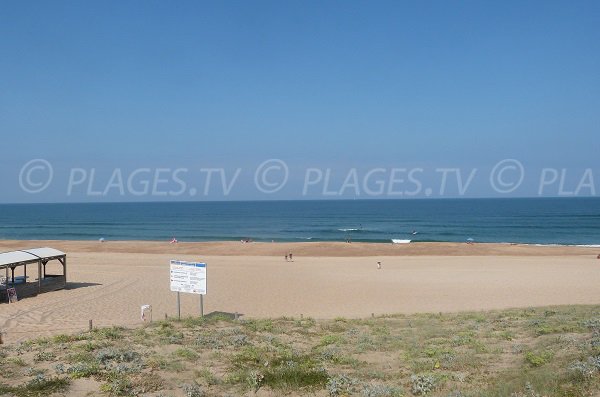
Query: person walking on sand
{"type": "Point", "coordinates": [291, 257]}
{"type": "Point", "coordinates": [286, 257]}
{"type": "Point", "coordinates": [378, 265]}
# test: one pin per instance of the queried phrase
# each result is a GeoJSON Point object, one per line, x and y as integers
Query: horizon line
{"type": "Point", "coordinates": [307, 200]}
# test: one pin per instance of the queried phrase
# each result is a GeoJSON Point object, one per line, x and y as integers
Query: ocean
{"type": "Point", "coordinates": [568, 221]}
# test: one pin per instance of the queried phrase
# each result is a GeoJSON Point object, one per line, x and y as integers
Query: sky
{"type": "Point", "coordinates": [312, 85]}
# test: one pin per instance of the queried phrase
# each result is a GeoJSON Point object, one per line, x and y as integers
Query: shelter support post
{"type": "Point", "coordinates": [64, 263]}
{"type": "Point", "coordinates": [39, 276]}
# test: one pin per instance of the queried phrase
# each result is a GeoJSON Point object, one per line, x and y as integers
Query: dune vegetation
{"type": "Point", "coordinates": [551, 351]}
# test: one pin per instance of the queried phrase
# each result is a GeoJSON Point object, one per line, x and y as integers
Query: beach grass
{"type": "Point", "coordinates": [550, 351]}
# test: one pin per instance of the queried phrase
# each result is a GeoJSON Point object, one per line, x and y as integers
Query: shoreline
{"type": "Point", "coordinates": [318, 249]}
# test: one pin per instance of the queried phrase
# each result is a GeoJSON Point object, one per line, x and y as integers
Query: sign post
{"type": "Point", "coordinates": [188, 277]}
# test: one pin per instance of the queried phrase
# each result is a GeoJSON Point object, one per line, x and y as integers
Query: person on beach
{"type": "Point", "coordinates": [286, 257]}
{"type": "Point", "coordinates": [291, 257]}
{"type": "Point", "coordinates": [378, 265]}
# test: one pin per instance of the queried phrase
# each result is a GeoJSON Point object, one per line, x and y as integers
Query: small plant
{"type": "Point", "coordinates": [538, 359]}
{"type": "Point", "coordinates": [332, 339]}
{"type": "Point", "coordinates": [42, 386]}
{"type": "Point", "coordinates": [35, 372]}
{"type": "Point", "coordinates": [380, 391]}
{"type": "Point", "coordinates": [143, 384]}
{"type": "Point", "coordinates": [352, 332]}
{"type": "Point", "coordinates": [83, 370]}
{"type": "Point", "coordinates": [462, 339]}
{"type": "Point", "coordinates": [306, 322]}
{"type": "Point", "coordinates": [294, 371]}
{"type": "Point", "coordinates": [117, 386]}
{"type": "Point", "coordinates": [456, 393]}
{"type": "Point", "coordinates": [126, 368]}
{"type": "Point", "coordinates": [529, 392]}
{"type": "Point", "coordinates": [191, 322]}
{"type": "Point", "coordinates": [422, 384]}
{"type": "Point", "coordinates": [255, 380]}
{"type": "Point", "coordinates": [239, 340]}
{"type": "Point", "coordinates": [340, 385]}
{"type": "Point", "coordinates": [186, 354]}
{"type": "Point", "coordinates": [17, 361]}
{"type": "Point", "coordinates": [594, 362]}
{"type": "Point", "coordinates": [582, 370]}
{"type": "Point", "coordinates": [506, 335]}
{"type": "Point", "coordinates": [592, 323]}
{"type": "Point", "coordinates": [111, 333]}
{"type": "Point", "coordinates": [63, 338]}
{"type": "Point", "coordinates": [39, 386]}
{"type": "Point", "coordinates": [156, 362]}
{"type": "Point", "coordinates": [44, 356]}
{"type": "Point", "coordinates": [208, 376]}
{"type": "Point", "coordinates": [586, 369]}
{"type": "Point", "coordinates": [209, 341]}
{"type": "Point", "coordinates": [595, 343]}
{"type": "Point", "coordinates": [259, 325]}
{"type": "Point", "coordinates": [193, 390]}
{"type": "Point", "coordinates": [88, 346]}
{"type": "Point", "coordinates": [331, 353]}
{"type": "Point", "coordinates": [107, 355]}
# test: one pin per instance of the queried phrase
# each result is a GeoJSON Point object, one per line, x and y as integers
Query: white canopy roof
{"type": "Point", "coordinates": [7, 258]}
{"type": "Point", "coordinates": [28, 256]}
{"type": "Point", "coordinates": [45, 252]}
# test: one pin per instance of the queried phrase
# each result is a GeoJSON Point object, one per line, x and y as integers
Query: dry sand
{"type": "Point", "coordinates": [109, 281]}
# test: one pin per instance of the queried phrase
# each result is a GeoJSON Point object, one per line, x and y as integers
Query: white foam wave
{"type": "Point", "coordinates": [399, 241]}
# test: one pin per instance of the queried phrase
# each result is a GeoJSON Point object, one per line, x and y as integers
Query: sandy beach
{"type": "Point", "coordinates": [109, 281]}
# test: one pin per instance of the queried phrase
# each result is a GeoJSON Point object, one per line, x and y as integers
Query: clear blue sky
{"type": "Point", "coordinates": [336, 83]}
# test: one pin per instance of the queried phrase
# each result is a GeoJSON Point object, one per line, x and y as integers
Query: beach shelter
{"type": "Point", "coordinates": [38, 257]}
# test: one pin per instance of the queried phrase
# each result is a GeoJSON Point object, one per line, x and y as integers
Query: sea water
{"type": "Point", "coordinates": [572, 221]}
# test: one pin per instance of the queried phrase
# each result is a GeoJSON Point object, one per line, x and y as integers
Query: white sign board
{"type": "Point", "coordinates": [188, 277]}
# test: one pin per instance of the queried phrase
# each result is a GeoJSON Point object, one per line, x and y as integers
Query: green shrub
{"type": "Point", "coordinates": [117, 386]}
{"type": "Point", "coordinates": [186, 354]}
{"type": "Point", "coordinates": [341, 385]}
{"type": "Point", "coordinates": [83, 370]}
{"type": "Point", "coordinates": [422, 384]}
{"type": "Point", "coordinates": [538, 359]}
